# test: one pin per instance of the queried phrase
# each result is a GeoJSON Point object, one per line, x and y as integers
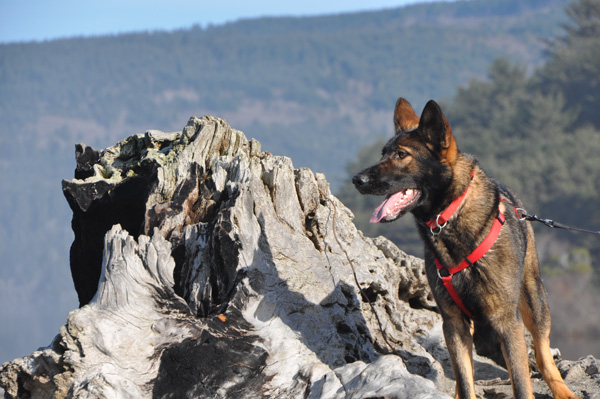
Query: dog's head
{"type": "Point", "coordinates": [416, 164]}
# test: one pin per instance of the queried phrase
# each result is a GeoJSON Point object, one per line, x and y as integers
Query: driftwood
{"type": "Point", "coordinates": [208, 268]}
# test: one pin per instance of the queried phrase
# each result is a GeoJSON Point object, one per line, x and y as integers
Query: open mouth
{"type": "Point", "coordinates": [395, 205]}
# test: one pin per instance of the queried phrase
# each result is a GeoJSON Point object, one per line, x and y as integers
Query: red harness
{"type": "Point", "coordinates": [479, 252]}
{"type": "Point", "coordinates": [440, 221]}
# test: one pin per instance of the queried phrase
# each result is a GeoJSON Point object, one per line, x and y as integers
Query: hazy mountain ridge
{"type": "Point", "coordinates": [315, 89]}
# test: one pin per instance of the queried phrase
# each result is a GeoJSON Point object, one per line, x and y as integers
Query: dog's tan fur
{"type": "Point", "coordinates": [503, 290]}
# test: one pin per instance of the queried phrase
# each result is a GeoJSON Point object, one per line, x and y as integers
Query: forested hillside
{"type": "Point", "coordinates": [539, 134]}
{"type": "Point", "coordinates": [267, 74]}
{"type": "Point", "coordinates": [316, 89]}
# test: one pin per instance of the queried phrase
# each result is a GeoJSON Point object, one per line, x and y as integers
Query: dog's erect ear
{"type": "Point", "coordinates": [405, 117]}
{"type": "Point", "coordinates": [435, 129]}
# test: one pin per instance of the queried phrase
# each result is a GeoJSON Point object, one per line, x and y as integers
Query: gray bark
{"type": "Point", "coordinates": [207, 268]}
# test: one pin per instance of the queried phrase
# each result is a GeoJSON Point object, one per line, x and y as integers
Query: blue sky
{"type": "Point", "coordinates": [27, 20]}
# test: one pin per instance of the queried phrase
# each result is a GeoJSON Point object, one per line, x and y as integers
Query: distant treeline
{"type": "Point", "coordinates": [315, 89]}
{"type": "Point", "coordinates": [538, 133]}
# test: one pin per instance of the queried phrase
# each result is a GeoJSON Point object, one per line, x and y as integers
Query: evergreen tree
{"type": "Point", "coordinates": [573, 67]}
{"type": "Point", "coordinates": [537, 134]}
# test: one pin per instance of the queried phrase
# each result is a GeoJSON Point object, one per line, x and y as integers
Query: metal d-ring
{"type": "Point", "coordinates": [438, 226]}
{"type": "Point", "coordinates": [522, 213]}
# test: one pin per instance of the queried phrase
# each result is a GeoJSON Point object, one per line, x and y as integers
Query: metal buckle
{"type": "Point", "coordinates": [522, 213]}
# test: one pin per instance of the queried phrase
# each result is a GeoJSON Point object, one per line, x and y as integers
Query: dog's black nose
{"type": "Point", "coordinates": [360, 179]}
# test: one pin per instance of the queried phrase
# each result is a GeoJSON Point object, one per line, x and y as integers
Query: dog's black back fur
{"type": "Point", "coordinates": [422, 171]}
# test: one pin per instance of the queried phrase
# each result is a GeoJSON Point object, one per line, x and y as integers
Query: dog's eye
{"type": "Point", "coordinates": [401, 154]}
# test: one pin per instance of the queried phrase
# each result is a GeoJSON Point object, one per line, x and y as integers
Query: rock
{"type": "Point", "coordinates": [207, 268]}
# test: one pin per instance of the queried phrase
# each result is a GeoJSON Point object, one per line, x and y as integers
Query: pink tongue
{"type": "Point", "coordinates": [392, 205]}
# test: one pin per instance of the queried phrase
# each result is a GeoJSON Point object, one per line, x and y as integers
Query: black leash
{"type": "Point", "coordinates": [551, 223]}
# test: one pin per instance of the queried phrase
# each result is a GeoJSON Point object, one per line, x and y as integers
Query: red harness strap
{"type": "Point", "coordinates": [441, 220]}
{"type": "Point", "coordinates": [477, 254]}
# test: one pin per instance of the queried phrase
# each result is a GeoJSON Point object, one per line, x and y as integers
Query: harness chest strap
{"type": "Point", "coordinates": [443, 217]}
{"type": "Point", "coordinates": [477, 254]}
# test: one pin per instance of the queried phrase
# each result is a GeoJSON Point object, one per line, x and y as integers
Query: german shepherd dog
{"type": "Point", "coordinates": [480, 257]}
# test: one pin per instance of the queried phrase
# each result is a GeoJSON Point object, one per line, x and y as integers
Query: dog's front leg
{"type": "Point", "coordinates": [459, 341]}
{"type": "Point", "coordinates": [512, 340]}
